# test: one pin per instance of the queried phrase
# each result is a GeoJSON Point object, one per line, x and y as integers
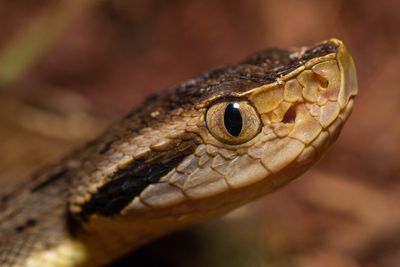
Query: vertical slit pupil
{"type": "Point", "coordinates": [233, 119]}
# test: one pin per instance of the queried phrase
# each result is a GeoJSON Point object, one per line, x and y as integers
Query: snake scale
{"type": "Point", "coordinates": [189, 153]}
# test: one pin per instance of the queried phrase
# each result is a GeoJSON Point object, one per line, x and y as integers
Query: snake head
{"type": "Point", "coordinates": [217, 141]}
{"type": "Point", "coordinates": [267, 121]}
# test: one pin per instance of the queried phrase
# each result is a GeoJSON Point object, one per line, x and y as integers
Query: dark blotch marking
{"type": "Point", "coordinates": [31, 223]}
{"type": "Point", "coordinates": [290, 116]}
{"type": "Point", "coordinates": [28, 224]}
{"type": "Point", "coordinates": [4, 199]}
{"type": "Point", "coordinates": [51, 179]}
{"type": "Point", "coordinates": [106, 147]}
{"type": "Point", "coordinates": [128, 183]}
{"type": "Point", "coordinates": [233, 119]}
{"type": "Point", "coordinates": [20, 229]}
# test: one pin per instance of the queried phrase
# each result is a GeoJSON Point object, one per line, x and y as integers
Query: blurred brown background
{"type": "Point", "coordinates": [68, 68]}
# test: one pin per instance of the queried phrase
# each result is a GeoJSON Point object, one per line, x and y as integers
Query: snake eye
{"type": "Point", "coordinates": [233, 122]}
{"type": "Point", "coordinates": [233, 119]}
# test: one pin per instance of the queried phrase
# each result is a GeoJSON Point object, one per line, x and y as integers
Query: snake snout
{"type": "Point", "coordinates": [348, 76]}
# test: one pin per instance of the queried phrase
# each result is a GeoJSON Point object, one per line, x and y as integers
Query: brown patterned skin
{"type": "Point", "coordinates": [162, 168]}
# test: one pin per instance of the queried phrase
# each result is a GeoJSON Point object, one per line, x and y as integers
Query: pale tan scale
{"type": "Point", "coordinates": [281, 110]}
{"type": "Point", "coordinates": [175, 134]}
{"type": "Point", "coordinates": [204, 182]}
{"type": "Point", "coordinates": [200, 150]}
{"type": "Point", "coordinates": [322, 100]}
{"type": "Point", "coordinates": [329, 70]}
{"type": "Point", "coordinates": [162, 145]}
{"type": "Point", "coordinates": [80, 199]}
{"type": "Point", "coordinates": [169, 126]}
{"type": "Point", "coordinates": [212, 150]}
{"type": "Point", "coordinates": [227, 153]}
{"type": "Point", "coordinates": [278, 113]}
{"type": "Point", "coordinates": [306, 127]}
{"type": "Point", "coordinates": [281, 152]}
{"type": "Point", "coordinates": [218, 161]}
{"type": "Point", "coordinates": [314, 109]}
{"type": "Point", "coordinates": [267, 134]}
{"type": "Point", "coordinates": [129, 149]}
{"type": "Point", "coordinates": [178, 179]}
{"type": "Point", "coordinates": [146, 130]}
{"type": "Point", "coordinates": [244, 171]}
{"type": "Point", "coordinates": [66, 254]}
{"type": "Point", "coordinates": [103, 164]}
{"type": "Point", "coordinates": [74, 208]}
{"type": "Point", "coordinates": [135, 204]}
{"type": "Point", "coordinates": [192, 129]}
{"type": "Point", "coordinates": [92, 188]}
{"type": "Point", "coordinates": [140, 152]}
{"type": "Point", "coordinates": [348, 81]}
{"type": "Point", "coordinates": [98, 174]}
{"type": "Point", "coordinates": [265, 118]}
{"type": "Point", "coordinates": [321, 140]}
{"type": "Point", "coordinates": [293, 91]}
{"type": "Point", "coordinates": [178, 112]}
{"type": "Point", "coordinates": [149, 135]}
{"type": "Point", "coordinates": [329, 112]}
{"type": "Point", "coordinates": [275, 117]}
{"type": "Point", "coordinates": [116, 156]}
{"type": "Point", "coordinates": [161, 195]}
{"type": "Point", "coordinates": [124, 162]}
{"type": "Point", "coordinates": [203, 160]}
{"type": "Point", "coordinates": [168, 176]}
{"type": "Point", "coordinates": [137, 140]}
{"type": "Point", "coordinates": [123, 144]}
{"type": "Point", "coordinates": [185, 114]}
{"type": "Point", "coordinates": [345, 114]}
{"type": "Point", "coordinates": [180, 127]}
{"type": "Point", "coordinates": [188, 165]}
{"type": "Point", "coordinates": [335, 127]}
{"type": "Point", "coordinates": [308, 155]}
{"type": "Point", "coordinates": [282, 129]}
{"type": "Point", "coordinates": [256, 151]}
{"type": "Point", "coordinates": [192, 123]}
{"type": "Point", "coordinates": [310, 85]}
{"type": "Point", "coordinates": [266, 101]}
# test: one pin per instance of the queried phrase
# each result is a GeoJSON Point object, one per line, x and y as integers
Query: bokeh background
{"type": "Point", "coordinates": [69, 67]}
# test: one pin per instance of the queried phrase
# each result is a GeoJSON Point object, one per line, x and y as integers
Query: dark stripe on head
{"type": "Point", "coordinates": [261, 68]}
{"type": "Point", "coordinates": [129, 182]}
{"type": "Point", "coordinates": [50, 179]}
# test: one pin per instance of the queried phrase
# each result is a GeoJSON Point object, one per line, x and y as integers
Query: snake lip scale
{"type": "Point", "coordinates": [191, 152]}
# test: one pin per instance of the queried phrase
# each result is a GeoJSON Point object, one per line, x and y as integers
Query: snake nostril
{"type": "Point", "coordinates": [290, 115]}
{"type": "Point", "coordinates": [322, 80]}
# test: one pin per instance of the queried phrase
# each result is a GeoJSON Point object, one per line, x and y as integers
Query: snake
{"type": "Point", "coordinates": [189, 153]}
